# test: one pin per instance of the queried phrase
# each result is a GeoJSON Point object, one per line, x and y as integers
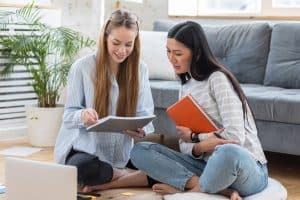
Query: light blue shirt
{"type": "Point", "coordinates": [113, 148]}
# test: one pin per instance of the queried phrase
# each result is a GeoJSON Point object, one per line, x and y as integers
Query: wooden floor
{"type": "Point", "coordinates": [282, 167]}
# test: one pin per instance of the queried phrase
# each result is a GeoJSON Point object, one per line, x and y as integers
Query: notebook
{"type": "Point", "coordinates": [34, 180]}
{"type": "Point", "coordinates": [119, 124]}
{"type": "Point", "coordinates": [186, 112]}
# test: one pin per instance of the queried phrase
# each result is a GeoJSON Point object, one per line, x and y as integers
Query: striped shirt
{"type": "Point", "coordinates": [113, 148]}
{"type": "Point", "coordinates": [221, 103]}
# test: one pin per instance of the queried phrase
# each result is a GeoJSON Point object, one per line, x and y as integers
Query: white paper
{"type": "Point", "coordinates": [20, 151]}
{"type": "Point", "coordinates": [2, 188]}
{"type": "Point", "coordinates": [119, 124]}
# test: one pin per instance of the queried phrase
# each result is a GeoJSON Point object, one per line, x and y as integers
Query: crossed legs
{"type": "Point", "coordinates": [230, 166]}
{"type": "Point", "coordinates": [94, 174]}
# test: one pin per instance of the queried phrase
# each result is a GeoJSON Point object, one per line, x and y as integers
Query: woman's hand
{"type": "Point", "coordinates": [184, 133]}
{"type": "Point", "coordinates": [212, 141]}
{"type": "Point", "coordinates": [136, 134]}
{"type": "Point", "coordinates": [89, 116]}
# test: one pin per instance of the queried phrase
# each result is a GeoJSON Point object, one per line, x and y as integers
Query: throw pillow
{"type": "Point", "coordinates": [154, 54]}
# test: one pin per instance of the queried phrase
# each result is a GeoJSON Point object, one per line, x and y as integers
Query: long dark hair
{"type": "Point", "coordinates": [203, 63]}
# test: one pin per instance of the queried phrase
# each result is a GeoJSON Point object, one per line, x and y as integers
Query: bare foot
{"type": "Point", "coordinates": [86, 189]}
{"type": "Point", "coordinates": [101, 187]}
{"type": "Point", "coordinates": [131, 178]}
{"type": "Point", "coordinates": [164, 189]}
{"type": "Point", "coordinates": [130, 170]}
{"type": "Point", "coordinates": [117, 173]}
{"type": "Point", "coordinates": [235, 196]}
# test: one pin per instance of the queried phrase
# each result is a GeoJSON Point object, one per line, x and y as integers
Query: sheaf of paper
{"type": "Point", "coordinates": [2, 188]}
{"type": "Point", "coordinates": [20, 151]}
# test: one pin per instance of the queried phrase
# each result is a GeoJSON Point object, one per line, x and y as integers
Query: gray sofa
{"type": "Point", "coordinates": [266, 61]}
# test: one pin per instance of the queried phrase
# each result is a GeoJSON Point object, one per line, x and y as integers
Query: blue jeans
{"type": "Point", "coordinates": [229, 166]}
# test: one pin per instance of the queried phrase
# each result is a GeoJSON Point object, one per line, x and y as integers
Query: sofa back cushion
{"type": "Point", "coordinates": [154, 54]}
{"type": "Point", "coordinates": [283, 68]}
{"type": "Point", "coordinates": [242, 48]}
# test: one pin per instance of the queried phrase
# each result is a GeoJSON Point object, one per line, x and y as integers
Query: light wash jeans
{"type": "Point", "coordinates": [230, 166]}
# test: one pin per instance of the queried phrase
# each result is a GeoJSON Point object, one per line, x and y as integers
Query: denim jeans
{"type": "Point", "coordinates": [229, 166]}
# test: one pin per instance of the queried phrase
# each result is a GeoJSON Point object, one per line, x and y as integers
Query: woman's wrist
{"type": "Point", "coordinates": [194, 137]}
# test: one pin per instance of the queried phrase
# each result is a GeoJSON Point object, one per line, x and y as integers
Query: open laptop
{"type": "Point", "coordinates": [34, 180]}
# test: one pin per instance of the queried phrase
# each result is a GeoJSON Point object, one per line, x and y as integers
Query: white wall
{"type": "Point", "coordinates": [85, 16]}
{"type": "Point", "coordinates": [147, 12]}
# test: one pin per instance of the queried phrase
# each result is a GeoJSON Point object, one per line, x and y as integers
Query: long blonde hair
{"type": "Point", "coordinates": [128, 74]}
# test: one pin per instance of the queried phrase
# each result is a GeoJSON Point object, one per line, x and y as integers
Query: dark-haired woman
{"type": "Point", "coordinates": [111, 82]}
{"type": "Point", "coordinates": [230, 161]}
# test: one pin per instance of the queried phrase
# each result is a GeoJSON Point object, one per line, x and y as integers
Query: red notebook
{"type": "Point", "coordinates": [186, 112]}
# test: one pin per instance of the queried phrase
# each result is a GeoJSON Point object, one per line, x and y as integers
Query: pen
{"type": "Point", "coordinates": [86, 197]}
{"type": "Point", "coordinates": [89, 194]}
{"type": "Point", "coordinates": [218, 135]}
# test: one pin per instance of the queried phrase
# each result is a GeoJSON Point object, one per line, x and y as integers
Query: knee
{"type": "Point", "coordinates": [90, 170]}
{"type": "Point", "coordinates": [230, 152]}
{"type": "Point", "coordinates": [138, 151]}
{"type": "Point", "coordinates": [80, 160]}
{"type": "Point", "coordinates": [143, 153]}
{"type": "Point", "coordinates": [228, 148]}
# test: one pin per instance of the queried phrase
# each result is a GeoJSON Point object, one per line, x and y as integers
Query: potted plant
{"type": "Point", "coordinates": [47, 54]}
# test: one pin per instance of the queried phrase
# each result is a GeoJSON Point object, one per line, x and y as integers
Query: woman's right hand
{"type": "Point", "coordinates": [89, 116]}
{"type": "Point", "coordinates": [209, 145]}
{"type": "Point", "coordinates": [211, 142]}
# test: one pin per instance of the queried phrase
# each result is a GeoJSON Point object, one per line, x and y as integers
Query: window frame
{"type": "Point", "coordinates": [9, 3]}
{"type": "Point", "coordinates": [267, 12]}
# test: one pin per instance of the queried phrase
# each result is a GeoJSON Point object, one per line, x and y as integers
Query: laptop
{"type": "Point", "coordinates": [35, 180]}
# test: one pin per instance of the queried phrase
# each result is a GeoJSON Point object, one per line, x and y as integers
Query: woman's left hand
{"type": "Point", "coordinates": [184, 133]}
{"type": "Point", "coordinates": [136, 134]}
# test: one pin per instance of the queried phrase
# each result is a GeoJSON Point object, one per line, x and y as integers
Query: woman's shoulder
{"type": "Point", "coordinates": [143, 65]}
{"type": "Point", "coordinates": [217, 77]}
{"type": "Point", "coordinates": [85, 63]}
{"type": "Point", "coordinates": [143, 68]}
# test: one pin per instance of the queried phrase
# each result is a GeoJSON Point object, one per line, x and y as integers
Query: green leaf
{"type": "Point", "coordinates": [46, 52]}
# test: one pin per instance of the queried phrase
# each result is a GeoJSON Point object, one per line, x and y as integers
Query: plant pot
{"type": "Point", "coordinates": [43, 124]}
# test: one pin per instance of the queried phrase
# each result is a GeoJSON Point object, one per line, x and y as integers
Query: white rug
{"type": "Point", "coordinates": [274, 191]}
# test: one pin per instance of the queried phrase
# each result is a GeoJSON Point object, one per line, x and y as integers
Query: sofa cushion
{"type": "Point", "coordinates": [267, 103]}
{"type": "Point", "coordinates": [242, 48]}
{"type": "Point", "coordinates": [163, 25]}
{"type": "Point", "coordinates": [283, 68]}
{"type": "Point", "coordinates": [273, 103]}
{"type": "Point", "coordinates": [164, 93]}
{"type": "Point", "coordinates": [154, 54]}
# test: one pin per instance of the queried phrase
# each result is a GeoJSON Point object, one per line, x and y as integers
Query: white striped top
{"type": "Point", "coordinates": [221, 103]}
{"type": "Point", "coordinates": [113, 148]}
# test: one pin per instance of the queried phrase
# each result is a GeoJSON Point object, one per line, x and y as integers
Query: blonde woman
{"type": "Point", "coordinates": [111, 82]}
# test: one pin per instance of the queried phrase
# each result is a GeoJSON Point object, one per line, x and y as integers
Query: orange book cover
{"type": "Point", "coordinates": [186, 112]}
